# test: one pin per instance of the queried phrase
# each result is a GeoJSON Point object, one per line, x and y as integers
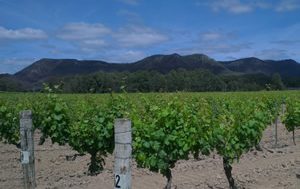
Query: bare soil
{"type": "Point", "coordinates": [273, 168]}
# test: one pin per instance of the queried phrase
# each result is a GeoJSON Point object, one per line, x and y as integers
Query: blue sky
{"type": "Point", "coordinates": [128, 30]}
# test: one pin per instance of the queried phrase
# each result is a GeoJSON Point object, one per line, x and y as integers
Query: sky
{"type": "Point", "coordinates": [129, 30]}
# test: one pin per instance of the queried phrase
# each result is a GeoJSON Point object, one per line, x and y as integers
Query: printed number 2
{"type": "Point", "coordinates": [117, 180]}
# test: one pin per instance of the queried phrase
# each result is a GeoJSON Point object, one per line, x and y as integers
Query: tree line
{"type": "Point", "coordinates": [175, 80]}
{"type": "Point", "coordinates": [198, 80]}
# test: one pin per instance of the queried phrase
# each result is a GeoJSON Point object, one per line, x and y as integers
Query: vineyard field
{"type": "Point", "coordinates": [187, 140]}
{"type": "Point", "coordinates": [256, 170]}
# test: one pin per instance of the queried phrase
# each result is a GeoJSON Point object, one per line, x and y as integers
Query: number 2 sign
{"type": "Point", "coordinates": [117, 181]}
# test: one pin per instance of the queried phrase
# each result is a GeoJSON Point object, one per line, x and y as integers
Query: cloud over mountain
{"type": "Point", "coordinates": [21, 34]}
{"type": "Point", "coordinates": [138, 36]}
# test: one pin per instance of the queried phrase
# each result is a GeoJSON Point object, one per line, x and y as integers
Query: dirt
{"type": "Point", "coordinates": [273, 168]}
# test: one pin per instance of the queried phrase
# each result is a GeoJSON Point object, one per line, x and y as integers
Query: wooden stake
{"type": "Point", "coordinates": [27, 149]}
{"type": "Point", "coordinates": [276, 125]}
{"type": "Point", "coordinates": [123, 149]}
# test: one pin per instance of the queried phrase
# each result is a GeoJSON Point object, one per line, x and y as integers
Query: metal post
{"type": "Point", "coordinates": [27, 149]}
{"type": "Point", "coordinates": [123, 149]}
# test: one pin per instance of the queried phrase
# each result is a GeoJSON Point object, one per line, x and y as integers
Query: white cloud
{"type": "Point", "coordinates": [130, 2]}
{"type": "Point", "coordinates": [246, 6]}
{"type": "Point", "coordinates": [216, 36]}
{"type": "Point", "coordinates": [139, 36]}
{"type": "Point", "coordinates": [96, 42]}
{"type": "Point", "coordinates": [88, 37]}
{"type": "Point", "coordinates": [94, 38]}
{"type": "Point", "coordinates": [91, 39]}
{"type": "Point", "coordinates": [287, 5]}
{"type": "Point", "coordinates": [262, 4]}
{"type": "Point", "coordinates": [233, 6]}
{"type": "Point", "coordinates": [21, 34]}
{"type": "Point", "coordinates": [82, 31]}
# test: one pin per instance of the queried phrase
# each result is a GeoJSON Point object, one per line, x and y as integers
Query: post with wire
{"type": "Point", "coordinates": [27, 149]}
{"type": "Point", "coordinates": [123, 150]}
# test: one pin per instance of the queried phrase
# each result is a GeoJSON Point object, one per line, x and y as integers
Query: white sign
{"type": "Point", "coordinates": [24, 157]}
{"type": "Point", "coordinates": [120, 181]}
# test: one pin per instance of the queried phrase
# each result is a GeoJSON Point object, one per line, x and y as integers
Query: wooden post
{"type": "Point", "coordinates": [282, 108]}
{"type": "Point", "coordinates": [276, 124]}
{"type": "Point", "coordinates": [27, 149]}
{"type": "Point", "coordinates": [298, 179]}
{"type": "Point", "coordinates": [123, 149]}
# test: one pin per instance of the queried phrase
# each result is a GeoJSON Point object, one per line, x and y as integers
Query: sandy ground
{"type": "Point", "coordinates": [274, 168]}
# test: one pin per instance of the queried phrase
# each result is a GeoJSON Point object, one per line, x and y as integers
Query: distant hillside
{"type": "Point", "coordinates": [253, 65]}
{"type": "Point", "coordinates": [45, 70]}
{"type": "Point", "coordinates": [288, 67]}
{"type": "Point", "coordinates": [166, 63]}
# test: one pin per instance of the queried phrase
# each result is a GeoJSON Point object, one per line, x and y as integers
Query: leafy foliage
{"type": "Point", "coordinates": [163, 135]}
{"type": "Point", "coordinates": [93, 132]}
{"type": "Point", "coordinates": [52, 118]}
{"type": "Point", "coordinates": [9, 125]}
{"type": "Point", "coordinates": [291, 118]}
{"type": "Point", "coordinates": [166, 127]}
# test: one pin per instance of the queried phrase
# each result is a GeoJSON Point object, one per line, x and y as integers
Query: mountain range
{"type": "Point", "coordinates": [45, 69]}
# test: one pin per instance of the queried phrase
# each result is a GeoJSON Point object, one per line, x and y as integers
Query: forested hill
{"type": "Point", "coordinates": [46, 68]}
{"type": "Point", "coordinates": [242, 74]}
{"type": "Point", "coordinates": [254, 65]}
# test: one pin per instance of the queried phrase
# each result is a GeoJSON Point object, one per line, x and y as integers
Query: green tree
{"type": "Point", "coordinates": [277, 82]}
